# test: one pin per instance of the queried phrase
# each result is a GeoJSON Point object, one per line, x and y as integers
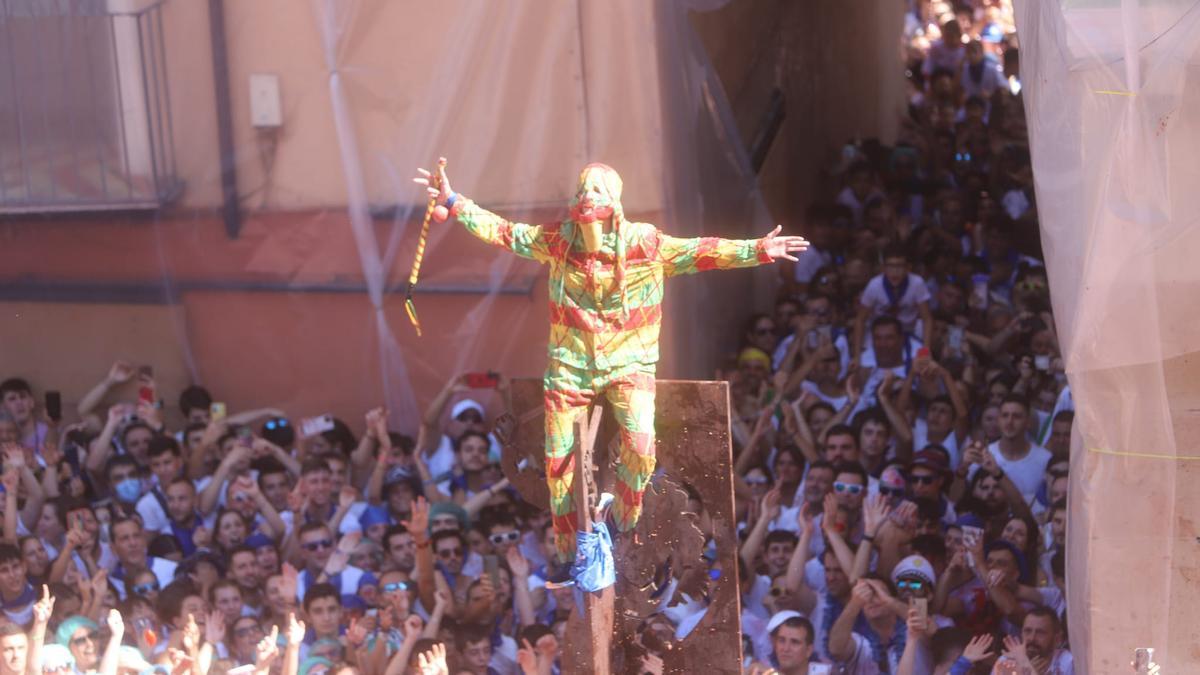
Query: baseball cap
{"type": "Point", "coordinates": [933, 457]}
{"type": "Point", "coordinates": [55, 656]}
{"type": "Point", "coordinates": [465, 405]}
{"type": "Point", "coordinates": [780, 617]}
{"type": "Point", "coordinates": [915, 566]}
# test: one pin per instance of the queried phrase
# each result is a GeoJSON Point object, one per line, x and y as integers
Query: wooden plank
{"type": "Point", "coordinates": [693, 449]}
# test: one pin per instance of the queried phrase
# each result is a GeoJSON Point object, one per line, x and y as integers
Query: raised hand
{"type": "Point", "coordinates": [433, 661]}
{"type": "Point", "coordinates": [517, 563]}
{"type": "Point", "coordinates": [1014, 649]}
{"type": "Point", "coordinates": [771, 504]}
{"type": "Point", "coordinates": [783, 247]}
{"type": "Point", "coordinates": [374, 418]}
{"type": "Point", "coordinates": [14, 456]}
{"type": "Point", "coordinates": [120, 373]}
{"type": "Point", "coordinates": [202, 537]}
{"type": "Point", "coordinates": [919, 626]}
{"type": "Point", "coordinates": [905, 516]}
{"type": "Point", "coordinates": [437, 186]}
{"type": "Point", "coordinates": [117, 413]}
{"type": "Point", "coordinates": [413, 626]}
{"type": "Point", "coordinates": [214, 627]}
{"type": "Point", "coordinates": [861, 593]}
{"type": "Point", "coordinates": [290, 579]}
{"type": "Point", "coordinates": [829, 520]}
{"type": "Point", "coordinates": [418, 519]}
{"type": "Point", "coordinates": [356, 634]}
{"type": "Point", "coordinates": [879, 588]}
{"type": "Point", "coordinates": [267, 648]}
{"type": "Point", "coordinates": [884, 391]}
{"type": "Point", "coordinates": [504, 428]}
{"type": "Point", "coordinates": [979, 648]}
{"type": "Point", "coordinates": [295, 630]}
{"type": "Point", "coordinates": [11, 479]}
{"type": "Point", "coordinates": [42, 609]}
{"type": "Point", "coordinates": [346, 497]}
{"type": "Point", "coordinates": [191, 634]}
{"type": "Point", "coordinates": [875, 513]}
{"type": "Point", "coordinates": [116, 625]}
{"type": "Point", "coordinates": [99, 582]}
{"type": "Point", "coordinates": [806, 520]}
{"type": "Point", "coordinates": [527, 659]}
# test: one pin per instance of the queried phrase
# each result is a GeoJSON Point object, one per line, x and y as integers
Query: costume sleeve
{"type": "Point", "coordinates": [527, 241]}
{"type": "Point", "coordinates": [688, 256]}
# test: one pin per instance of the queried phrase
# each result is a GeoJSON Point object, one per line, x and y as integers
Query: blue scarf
{"type": "Point", "coordinates": [895, 293]}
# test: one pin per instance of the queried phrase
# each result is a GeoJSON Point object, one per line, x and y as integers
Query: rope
{"type": "Point", "coordinates": [409, 306]}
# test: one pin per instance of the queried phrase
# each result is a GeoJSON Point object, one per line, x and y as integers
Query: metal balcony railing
{"type": "Point", "coordinates": [85, 118]}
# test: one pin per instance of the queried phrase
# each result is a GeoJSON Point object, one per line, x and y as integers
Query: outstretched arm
{"type": "Point", "coordinates": [700, 254]}
{"type": "Point", "coordinates": [527, 241]}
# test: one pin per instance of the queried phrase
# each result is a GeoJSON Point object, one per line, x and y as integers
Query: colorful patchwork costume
{"type": "Point", "coordinates": [606, 291]}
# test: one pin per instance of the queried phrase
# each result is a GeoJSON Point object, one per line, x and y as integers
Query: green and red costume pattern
{"type": "Point", "coordinates": [605, 316]}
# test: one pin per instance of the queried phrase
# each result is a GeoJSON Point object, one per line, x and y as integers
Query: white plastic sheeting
{"type": "Point", "coordinates": [1111, 93]}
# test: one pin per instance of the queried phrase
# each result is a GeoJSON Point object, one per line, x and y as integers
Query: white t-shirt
{"type": "Point", "coordinates": [1026, 473]}
{"type": "Point", "coordinates": [950, 443]}
{"type": "Point", "coordinates": [154, 517]}
{"type": "Point", "coordinates": [991, 78]}
{"type": "Point", "coordinates": [862, 661]}
{"type": "Point", "coordinates": [875, 298]}
{"type": "Point", "coordinates": [943, 57]}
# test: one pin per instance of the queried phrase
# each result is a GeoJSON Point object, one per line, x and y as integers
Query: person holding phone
{"type": "Point", "coordinates": [606, 287]}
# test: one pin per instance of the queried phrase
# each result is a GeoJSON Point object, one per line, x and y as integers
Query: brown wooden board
{"type": "Point", "coordinates": [693, 449]}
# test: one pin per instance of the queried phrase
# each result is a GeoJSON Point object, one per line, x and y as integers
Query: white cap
{"type": "Point", "coordinates": [915, 566]}
{"type": "Point", "coordinates": [55, 656]}
{"type": "Point", "coordinates": [465, 405]}
{"type": "Point", "coordinates": [781, 616]}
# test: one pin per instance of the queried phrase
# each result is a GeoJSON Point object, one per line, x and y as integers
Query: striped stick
{"type": "Point", "coordinates": [409, 306]}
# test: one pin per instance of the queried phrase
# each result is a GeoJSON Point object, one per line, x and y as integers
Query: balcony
{"type": "Point", "coordinates": [85, 119]}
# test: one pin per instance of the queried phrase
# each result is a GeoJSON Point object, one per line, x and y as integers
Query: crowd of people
{"type": "Point", "coordinates": [902, 417]}
{"type": "Point", "coordinates": [901, 426]}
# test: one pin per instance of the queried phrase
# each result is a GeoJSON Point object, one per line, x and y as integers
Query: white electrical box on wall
{"type": "Point", "coordinates": [266, 112]}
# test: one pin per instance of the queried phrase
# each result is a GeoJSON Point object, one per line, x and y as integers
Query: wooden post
{"type": "Point", "coordinates": [593, 655]}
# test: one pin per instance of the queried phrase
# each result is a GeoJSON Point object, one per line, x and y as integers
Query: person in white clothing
{"type": "Point", "coordinates": [1040, 648]}
{"type": "Point", "coordinates": [897, 292]}
{"type": "Point", "coordinates": [1023, 461]}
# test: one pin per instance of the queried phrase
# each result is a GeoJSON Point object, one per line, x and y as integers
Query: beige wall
{"type": "Point", "coordinates": [498, 89]}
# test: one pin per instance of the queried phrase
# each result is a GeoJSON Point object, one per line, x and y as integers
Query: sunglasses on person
{"type": "Point", "coordinates": [396, 586]}
{"type": "Point", "coordinates": [913, 585]}
{"type": "Point", "coordinates": [923, 480]}
{"type": "Point", "coordinates": [891, 491]}
{"type": "Point", "coordinates": [248, 631]}
{"type": "Point", "coordinates": [847, 487]}
{"type": "Point", "coordinates": [83, 639]}
{"type": "Point", "coordinates": [501, 538]}
{"type": "Point", "coordinates": [448, 553]}
{"type": "Point", "coordinates": [317, 545]}
{"type": "Point", "coordinates": [276, 424]}
{"type": "Point", "coordinates": [143, 589]}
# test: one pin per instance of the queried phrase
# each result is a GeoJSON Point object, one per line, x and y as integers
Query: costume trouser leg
{"type": "Point", "coordinates": [568, 392]}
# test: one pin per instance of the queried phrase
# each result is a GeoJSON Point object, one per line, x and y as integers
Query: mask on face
{"type": "Point", "coordinates": [598, 194]}
{"type": "Point", "coordinates": [129, 490]}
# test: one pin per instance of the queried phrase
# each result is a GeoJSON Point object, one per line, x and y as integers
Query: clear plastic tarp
{"type": "Point", "coordinates": [303, 308]}
{"type": "Point", "coordinates": [1110, 91]}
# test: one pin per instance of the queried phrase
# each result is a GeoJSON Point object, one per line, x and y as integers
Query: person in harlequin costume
{"type": "Point", "coordinates": [606, 292]}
